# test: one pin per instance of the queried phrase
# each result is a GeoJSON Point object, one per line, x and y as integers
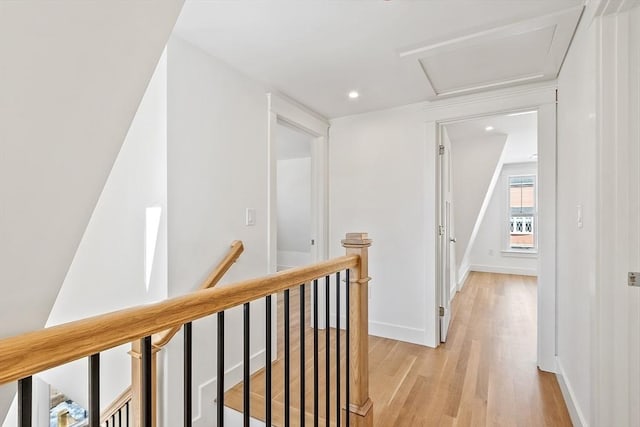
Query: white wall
{"type": "Point", "coordinates": [217, 167]}
{"type": "Point", "coordinates": [492, 238]}
{"type": "Point", "coordinates": [379, 183]}
{"type": "Point", "coordinates": [294, 212]}
{"type": "Point", "coordinates": [576, 247]}
{"type": "Point", "coordinates": [66, 102]}
{"type": "Point", "coordinates": [108, 269]}
{"type": "Point", "coordinates": [474, 163]}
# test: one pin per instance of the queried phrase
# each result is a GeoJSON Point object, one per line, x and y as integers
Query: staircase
{"type": "Point", "coordinates": [345, 353]}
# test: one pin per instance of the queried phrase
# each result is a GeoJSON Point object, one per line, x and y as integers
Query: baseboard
{"type": "Point", "coordinates": [577, 418]}
{"type": "Point", "coordinates": [397, 332]}
{"type": "Point", "coordinates": [503, 270]}
{"type": "Point", "coordinates": [232, 376]}
{"type": "Point", "coordinates": [463, 279]}
{"type": "Point", "coordinates": [387, 330]}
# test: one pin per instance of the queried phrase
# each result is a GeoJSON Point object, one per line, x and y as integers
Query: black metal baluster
{"type": "Point", "coordinates": [338, 349]}
{"type": "Point", "coordinates": [113, 420]}
{"type": "Point", "coordinates": [246, 385]}
{"type": "Point", "coordinates": [94, 390]}
{"type": "Point", "coordinates": [267, 385]}
{"type": "Point", "coordinates": [126, 407]}
{"type": "Point", "coordinates": [25, 399]}
{"type": "Point", "coordinates": [327, 350]}
{"type": "Point", "coordinates": [146, 382]}
{"type": "Point", "coordinates": [287, 362]}
{"type": "Point", "coordinates": [220, 378]}
{"type": "Point", "coordinates": [187, 374]}
{"type": "Point", "coordinates": [120, 417]}
{"type": "Point", "coordinates": [347, 365]}
{"type": "Point", "coordinates": [315, 353]}
{"type": "Point", "coordinates": [302, 356]}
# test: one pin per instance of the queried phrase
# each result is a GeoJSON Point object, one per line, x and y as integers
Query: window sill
{"type": "Point", "coordinates": [520, 253]}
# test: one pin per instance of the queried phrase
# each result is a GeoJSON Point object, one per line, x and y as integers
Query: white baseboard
{"type": "Point", "coordinates": [503, 270]}
{"type": "Point", "coordinates": [387, 330]}
{"type": "Point", "coordinates": [577, 418]}
{"type": "Point", "coordinates": [463, 279]}
{"type": "Point", "coordinates": [397, 332]}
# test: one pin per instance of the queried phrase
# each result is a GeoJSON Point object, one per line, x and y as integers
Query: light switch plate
{"type": "Point", "coordinates": [250, 217]}
{"type": "Point", "coordinates": [634, 278]}
{"type": "Point", "coordinates": [579, 216]}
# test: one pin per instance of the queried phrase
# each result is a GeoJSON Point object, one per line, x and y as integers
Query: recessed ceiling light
{"type": "Point", "coordinates": [488, 128]}
{"type": "Point", "coordinates": [353, 94]}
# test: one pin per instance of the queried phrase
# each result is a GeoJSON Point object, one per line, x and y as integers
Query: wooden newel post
{"type": "Point", "coordinates": [360, 405]}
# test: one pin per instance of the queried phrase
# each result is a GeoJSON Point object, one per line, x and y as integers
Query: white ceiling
{"type": "Point", "coordinates": [521, 131]}
{"type": "Point", "coordinates": [316, 51]}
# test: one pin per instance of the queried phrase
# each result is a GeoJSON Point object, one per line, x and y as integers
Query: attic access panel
{"type": "Point", "coordinates": [524, 52]}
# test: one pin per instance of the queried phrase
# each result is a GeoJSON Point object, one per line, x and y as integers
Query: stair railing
{"type": "Point", "coordinates": [25, 355]}
{"type": "Point", "coordinates": [162, 339]}
{"type": "Point", "coordinates": [118, 414]}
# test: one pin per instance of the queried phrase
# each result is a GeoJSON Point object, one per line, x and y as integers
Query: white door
{"type": "Point", "coordinates": [446, 260]}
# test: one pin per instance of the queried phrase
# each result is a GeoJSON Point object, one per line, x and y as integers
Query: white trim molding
{"type": "Point", "coordinates": [577, 418]}
{"type": "Point", "coordinates": [503, 270]}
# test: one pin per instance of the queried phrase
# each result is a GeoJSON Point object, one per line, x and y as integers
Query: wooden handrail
{"type": "Point", "coordinates": [232, 256]}
{"type": "Point", "coordinates": [116, 405]}
{"type": "Point", "coordinates": [30, 353]}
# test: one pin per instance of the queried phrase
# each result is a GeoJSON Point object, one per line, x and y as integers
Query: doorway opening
{"type": "Point", "coordinates": [489, 201]}
{"type": "Point", "coordinates": [293, 194]}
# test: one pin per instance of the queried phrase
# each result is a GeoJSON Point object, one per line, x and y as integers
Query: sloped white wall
{"type": "Point", "coordinates": [486, 253]}
{"type": "Point", "coordinates": [108, 270]}
{"type": "Point", "coordinates": [72, 76]}
{"type": "Point", "coordinates": [474, 163]}
{"type": "Point", "coordinates": [217, 152]}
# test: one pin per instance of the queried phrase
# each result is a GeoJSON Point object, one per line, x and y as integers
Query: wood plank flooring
{"type": "Point", "coordinates": [485, 375]}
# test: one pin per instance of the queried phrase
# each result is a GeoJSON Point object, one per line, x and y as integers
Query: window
{"type": "Point", "coordinates": [522, 209]}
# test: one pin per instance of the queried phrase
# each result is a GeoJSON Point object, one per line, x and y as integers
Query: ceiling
{"type": "Point", "coordinates": [521, 130]}
{"type": "Point", "coordinates": [392, 52]}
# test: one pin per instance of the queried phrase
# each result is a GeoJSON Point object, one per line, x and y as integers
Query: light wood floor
{"type": "Point", "coordinates": [485, 375]}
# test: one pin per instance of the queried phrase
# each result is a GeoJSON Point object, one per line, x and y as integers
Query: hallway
{"type": "Point", "coordinates": [485, 375]}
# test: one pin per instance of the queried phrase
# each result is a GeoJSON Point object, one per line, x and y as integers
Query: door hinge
{"type": "Point", "coordinates": [441, 311]}
{"type": "Point", "coordinates": [441, 150]}
{"type": "Point", "coordinates": [440, 230]}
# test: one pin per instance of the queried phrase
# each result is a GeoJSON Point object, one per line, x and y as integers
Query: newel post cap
{"type": "Point", "coordinates": [356, 240]}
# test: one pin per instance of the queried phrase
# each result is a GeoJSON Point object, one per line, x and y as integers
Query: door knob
{"type": "Point", "coordinates": [452, 239]}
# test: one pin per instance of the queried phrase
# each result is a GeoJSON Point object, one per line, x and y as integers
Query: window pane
{"type": "Point", "coordinates": [522, 211]}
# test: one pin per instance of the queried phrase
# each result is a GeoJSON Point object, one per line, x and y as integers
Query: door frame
{"type": "Point", "coordinates": [542, 98]}
{"type": "Point", "coordinates": [284, 110]}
